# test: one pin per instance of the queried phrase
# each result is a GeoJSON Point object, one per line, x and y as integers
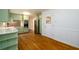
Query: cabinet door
{"type": "Point", "coordinates": [4, 15]}
{"type": "Point", "coordinates": [14, 16]}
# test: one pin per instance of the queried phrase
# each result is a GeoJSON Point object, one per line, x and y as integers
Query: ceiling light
{"type": "Point", "coordinates": [26, 13]}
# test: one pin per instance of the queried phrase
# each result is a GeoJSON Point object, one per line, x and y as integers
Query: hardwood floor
{"type": "Point", "coordinates": [31, 41]}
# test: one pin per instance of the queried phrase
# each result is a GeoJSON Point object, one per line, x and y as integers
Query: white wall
{"type": "Point", "coordinates": [31, 22]}
{"type": "Point", "coordinates": [64, 25]}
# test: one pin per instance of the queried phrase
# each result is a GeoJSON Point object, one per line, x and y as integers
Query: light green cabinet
{"type": "Point", "coordinates": [15, 16]}
{"type": "Point", "coordinates": [4, 15]}
{"type": "Point", "coordinates": [22, 30]}
{"type": "Point", "coordinates": [9, 41]}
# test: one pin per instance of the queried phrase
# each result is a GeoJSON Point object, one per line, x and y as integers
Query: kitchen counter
{"type": "Point", "coordinates": [7, 30]}
{"type": "Point", "coordinates": [8, 38]}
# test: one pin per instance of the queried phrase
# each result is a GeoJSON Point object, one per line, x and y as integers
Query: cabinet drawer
{"type": "Point", "coordinates": [8, 36]}
{"type": "Point", "coordinates": [7, 43]}
{"type": "Point", "coordinates": [14, 47]}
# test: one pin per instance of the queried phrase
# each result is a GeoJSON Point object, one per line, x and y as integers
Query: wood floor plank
{"type": "Point", "coordinates": [31, 41]}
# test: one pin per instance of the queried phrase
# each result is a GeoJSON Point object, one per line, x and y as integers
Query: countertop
{"type": "Point", "coordinates": [7, 30]}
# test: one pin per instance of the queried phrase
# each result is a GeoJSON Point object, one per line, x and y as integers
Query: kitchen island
{"type": "Point", "coordinates": [8, 38]}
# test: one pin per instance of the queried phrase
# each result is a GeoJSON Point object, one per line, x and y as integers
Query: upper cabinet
{"type": "Point", "coordinates": [4, 15]}
{"type": "Point", "coordinates": [14, 16]}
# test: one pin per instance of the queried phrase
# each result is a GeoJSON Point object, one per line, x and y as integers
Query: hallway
{"type": "Point", "coordinates": [31, 41]}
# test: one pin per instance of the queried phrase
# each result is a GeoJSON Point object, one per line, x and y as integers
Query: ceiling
{"type": "Point", "coordinates": [20, 11]}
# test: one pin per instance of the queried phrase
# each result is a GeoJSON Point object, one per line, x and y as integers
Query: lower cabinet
{"type": "Point", "coordinates": [9, 41]}
{"type": "Point", "coordinates": [22, 29]}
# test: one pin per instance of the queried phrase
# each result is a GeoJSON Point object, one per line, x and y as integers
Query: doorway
{"type": "Point", "coordinates": [37, 26]}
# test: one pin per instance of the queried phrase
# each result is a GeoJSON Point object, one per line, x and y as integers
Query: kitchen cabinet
{"type": "Point", "coordinates": [14, 16]}
{"type": "Point", "coordinates": [4, 15]}
{"type": "Point", "coordinates": [8, 39]}
{"type": "Point", "coordinates": [23, 29]}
